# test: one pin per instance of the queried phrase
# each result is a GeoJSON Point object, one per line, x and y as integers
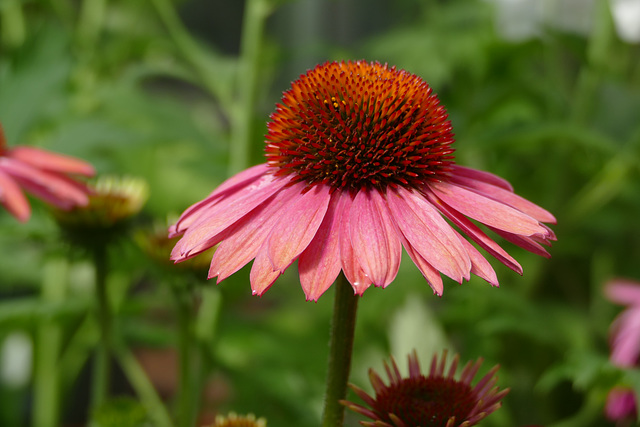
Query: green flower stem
{"type": "Point", "coordinates": [101, 368]}
{"type": "Point", "coordinates": [340, 347]}
{"type": "Point", "coordinates": [46, 393]}
{"type": "Point", "coordinates": [143, 387]}
{"type": "Point", "coordinates": [256, 13]}
{"type": "Point", "coordinates": [187, 395]}
{"type": "Point", "coordinates": [12, 24]}
{"type": "Point", "coordinates": [91, 19]}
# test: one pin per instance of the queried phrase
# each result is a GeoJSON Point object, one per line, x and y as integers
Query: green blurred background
{"type": "Point", "coordinates": [543, 93]}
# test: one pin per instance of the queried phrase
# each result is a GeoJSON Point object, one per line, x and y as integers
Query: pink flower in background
{"type": "Point", "coordinates": [438, 399]}
{"type": "Point", "coordinates": [359, 164]}
{"type": "Point", "coordinates": [625, 345]}
{"type": "Point", "coordinates": [41, 173]}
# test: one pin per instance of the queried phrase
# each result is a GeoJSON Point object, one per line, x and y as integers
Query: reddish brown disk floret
{"type": "Point", "coordinates": [357, 125]}
{"type": "Point", "coordinates": [438, 399]}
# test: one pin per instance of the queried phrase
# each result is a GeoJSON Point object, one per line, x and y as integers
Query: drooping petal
{"type": "Point", "coordinates": [13, 199]}
{"type": "Point", "coordinates": [374, 238]}
{"type": "Point", "coordinates": [298, 224]}
{"type": "Point", "coordinates": [235, 184]}
{"type": "Point", "coordinates": [486, 210]}
{"type": "Point", "coordinates": [621, 291]}
{"type": "Point", "coordinates": [524, 242]}
{"type": "Point", "coordinates": [350, 265]}
{"type": "Point", "coordinates": [55, 189]}
{"type": "Point", "coordinates": [431, 274]}
{"type": "Point", "coordinates": [262, 275]}
{"type": "Point", "coordinates": [477, 235]}
{"type": "Point", "coordinates": [478, 175]}
{"type": "Point", "coordinates": [625, 340]}
{"type": "Point", "coordinates": [225, 213]}
{"type": "Point", "coordinates": [428, 233]}
{"type": "Point", "coordinates": [319, 264]}
{"type": "Point", "coordinates": [507, 197]}
{"type": "Point", "coordinates": [53, 162]}
{"type": "Point", "coordinates": [245, 237]}
{"type": "Point", "coordinates": [479, 264]}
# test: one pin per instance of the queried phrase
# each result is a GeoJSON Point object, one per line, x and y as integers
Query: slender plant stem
{"type": "Point", "coordinates": [46, 393]}
{"type": "Point", "coordinates": [91, 21]}
{"type": "Point", "coordinates": [143, 386]}
{"type": "Point", "coordinates": [101, 368]}
{"type": "Point", "coordinates": [187, 399]}
{"type": "Point", "coordinates": [340, 347]}
{"type": "Point", "coordinates": [12, 28]}
{"type": "Point", "coordinates": [256, 13]}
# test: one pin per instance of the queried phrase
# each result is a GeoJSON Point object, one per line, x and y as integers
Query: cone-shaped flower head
{"type": "Point", "coordinates": [42, 173]}
{"type": "Point", "coordinates": [625, 346]}
{"type": "Point", "coordinates": [438, 399]}
{"type": "Point", "coordinates": [234, 420]}
{"type": "Point", "coordinates": [359, 164]}
{"type": "Point", "coordinates": [113, 201]}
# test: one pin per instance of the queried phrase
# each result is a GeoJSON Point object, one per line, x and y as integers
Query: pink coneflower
{"type": "Point", "coordinates": [434, 400]}
{"type": "Point", "coordinates": [42, 173]}
{"type": "Point", "coordinates": [359, 164]}
{"type": "Point", "coordinates": [625, 346]}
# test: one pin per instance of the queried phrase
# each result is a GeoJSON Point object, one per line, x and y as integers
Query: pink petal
{"type": "Point", "coordinates": [430, 274]}
{"type": "Point", "coordinates": [297, 224]}
{"type": "Point", "coordinates": [485, 210]}
{"type": "Point", "coordinates": [262, 275]}
{"type": "Point", "coordinates": [243, 239]}
{"type": "Point", "coordinates": [625, 292]}
{"type": "Point", "coordinates": [350, 264]}
{"type": "Point", "coordinates": [625, 338]}
{"type": "Point", "coordinates": [428, 233]}
{"type": "Point", "coordinates": [478, 175]}
{"type": "Point", "coordinates": [12, 197]}
{"type": "Point", "coordinates": [319, 264]}
{"type": "Point", "coordinates": [224, 213]}
{"type": "Point", "coordinates": [507, 197]}
{"type": "Point", "coordinates": [52, 162]}
{"type": "Point", "coordinates": [526, 243]}
{"type": "Point", "coordinates": [53, 188]}
{"type": "Point", "coordinates": [621, 404]}
{"type": "Point", "coordinates": [374, 238]}
{"type": "Point", "coordinates": [479, 265]}
{"type": "Point", "coordinates": [471, 230]}
{"type": "Point", "coordinates": [236, 184]}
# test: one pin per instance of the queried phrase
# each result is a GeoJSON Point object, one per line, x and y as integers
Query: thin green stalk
{"type": "Point", "coordinates": [340, 348]}
{"type": "Point", "coordinates": [12, 24]}
{"type": "Point", "coordinates": [143, 387]}
{"type": "Point", "coordinates": [101, 368]}
{"type": "Point", "coordinates": [187, 395]}
{"type": "Point", "coordinates": [256, 12]}
{"type": "Point", "coordinates": [205, 68]}
{"type": "Point", "coordinates": [91, 20]}
{"type": "Point", "coordinates": [46, 387]}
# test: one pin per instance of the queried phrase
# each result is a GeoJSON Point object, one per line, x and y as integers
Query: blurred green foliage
{"type": "Point", "coordinates": [129, 86]}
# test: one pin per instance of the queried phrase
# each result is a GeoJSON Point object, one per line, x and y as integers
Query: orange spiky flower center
{"type": "Point", "coordinates": [425, 401]}
{"type": "Point", "coordinates": [355, 125]}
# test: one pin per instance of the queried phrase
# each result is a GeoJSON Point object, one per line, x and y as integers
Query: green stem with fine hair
{"type": "Point", "coordinates": [343, 326]}
{"type": "Point", "coordinates": [101, 368]}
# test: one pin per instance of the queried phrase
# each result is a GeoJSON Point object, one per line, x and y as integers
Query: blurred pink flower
{"type": "Point", "coordinates": [42, 173]}
{"type": "Point", "coordinates": [625, 345]}
{"type": "Point", "coordinates": [621, 404]}
{"type": "Point", "coordinates": [359, 165]}
{"type": "Point", "coordinates": [437, 399]}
